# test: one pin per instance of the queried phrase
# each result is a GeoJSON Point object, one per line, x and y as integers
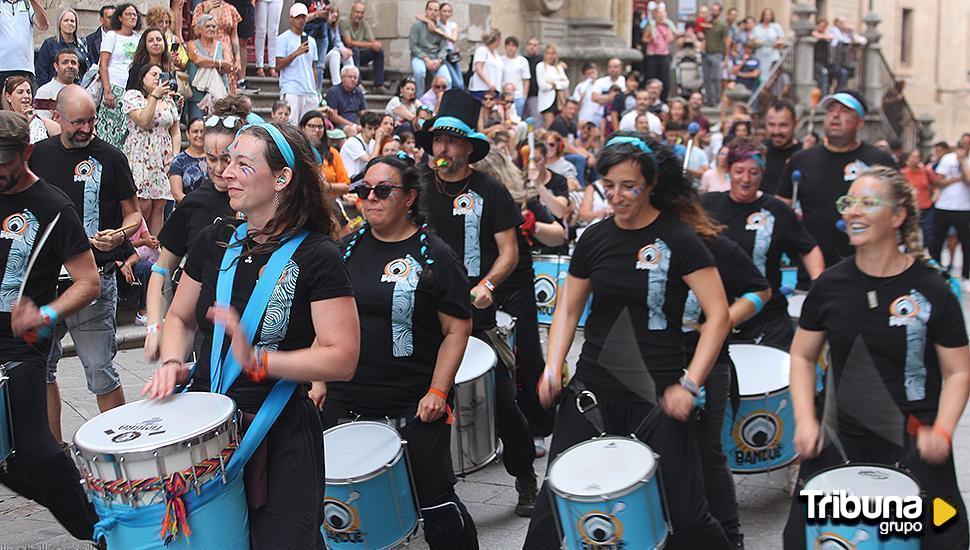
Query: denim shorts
{"type": "Point", "coordinates": [93, 331]}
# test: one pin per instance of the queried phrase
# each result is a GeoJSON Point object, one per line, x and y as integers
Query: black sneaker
{"type": "Point", "coordinates": [244, 86]}
{"type": "Point", "coordinates": [528, 491]}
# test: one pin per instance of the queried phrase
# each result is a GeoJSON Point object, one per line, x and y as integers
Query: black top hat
{"type": "Point", "coordinates": [457, 116]}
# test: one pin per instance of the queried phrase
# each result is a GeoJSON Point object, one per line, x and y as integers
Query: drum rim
{"type": "Point", "coordinates": [651, 474]}
{"type": "Point", "coordinates": [487, 370]}
{"type": "Point", "coordinates": [904, 472]}
{"type": "Point", "coordinates": [370, 475]}
{"type": "Point", "coordinates": [771, 393]}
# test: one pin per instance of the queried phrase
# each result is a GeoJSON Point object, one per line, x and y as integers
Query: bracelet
{"type": "Point", "coordinates": [49, 315]}
{"type": "Point", "coordinates": [259, 368]}
{"type": "Point", "coordinates": [160, 270]}
{"type": "Point", "coordinates": [151, 329]}
{"type": "Point", "coordinates": [938, 430]}
{"type": "Point", "coordinates": [167, 361]}
{"type": "Point", "coordinates": [689, 385]}
{"type": "Point", "coordinates": [488, 284]}
{"type": "Point", "coordinates": [438, 393]}
{"type": "Point", "coordinates": [759, 304]}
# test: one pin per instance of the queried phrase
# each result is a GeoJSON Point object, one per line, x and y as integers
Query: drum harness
{"type": "Point", "coordinates": [588, 405]}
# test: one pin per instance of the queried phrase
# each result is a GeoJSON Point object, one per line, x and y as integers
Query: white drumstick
{"type": "Point", "coordinates": [35, 254]}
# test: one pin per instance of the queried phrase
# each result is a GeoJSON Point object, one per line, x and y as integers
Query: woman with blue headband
{"type": "Point", "coordinates": [765, 228]}
{"type": "Point", "coordinates": [283, 271]}
{"type": "Point", "coordinates": [638, 265]}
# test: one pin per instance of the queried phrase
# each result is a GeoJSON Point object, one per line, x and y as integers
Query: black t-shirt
{"type": "Point", "coordinates": [533, 60]}
{"type": "Point", "coordinates": [524, 274]}
{"type": "Point", "coordinates": [827, 176]}
{"type": "Point", "coordinates": [764, 229]}
{"type": "Point", "coordinates": [738, 275]}
{"type": "Point", "coordinates": [636, 276]}
{"type": "Point", "coordinates": [398, 298]}
{"type": "Point", "coordinates": [916, 311]}
{"type": "Point", "coordinates": [467, 216]}
{"type": "Point", "coordinates": [96, 178]}
{"type": "Point", "coordinates": [26, 215]}
{"type": "Point", "coordinates": [775, 161]}
{"type": "Point", "coordinates": [201, 208]}
{"type": "Point", "coordinates": [559, 187]}
{"type": "Point", "coordinates": [563, 127]}
{"type": "Point", "coordinates": [314, 273]}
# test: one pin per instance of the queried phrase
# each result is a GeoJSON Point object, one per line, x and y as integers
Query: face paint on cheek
{"type": "Point", "coordinates": [636, 191]}
{"type": "Point", "coordinates": [247, 171]}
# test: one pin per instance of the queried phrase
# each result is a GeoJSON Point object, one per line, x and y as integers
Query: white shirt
{"type": "Point", "coordinates": [589, 110]}
{"type": "Point", "coordinates": [448, 27]}
{"type": "Point", "coordinates": [493, 69]}
{"type": "Point", "coordinates": [122, 49]}
{"type": "Point", "coordinates": [515, 70]}
{"type": "Point", "coordinates": [351, 152]}
{"type": "Point", "coordinates": [297, 77]}
{"type": "Point", "coordinates": [604, 83]}
{"type": "Point", "coordinates": [629, 122]}
{"type": "Point", "coordinates": [955, 196]}
{"type": "Point", "coordinates": [48, 91]}
{"type": "Point", "coordinates": [16, 36]}
{"type": "Point", "coordinates": [396, 102]}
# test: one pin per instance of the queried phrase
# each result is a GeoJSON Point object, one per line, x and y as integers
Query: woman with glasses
{"type": "Point", "coordinates": [188, 170]}
{"type": "Point", "coordinates": [334, 173]}
{"type": "Point", "coordinates": [404, 105]}
{"type": "Point", "coordinates": [274, 181]}
{"type": "Point", "coordinates": [117, 54]}
{"type": "Point", "coordinates": [765, 228]}
{"type": "Point", "coordinates": [899, 351]}
{"type": "Point", "coordinates": [415, 319]}
{"type": "Point", "coordinates": [639, 265]}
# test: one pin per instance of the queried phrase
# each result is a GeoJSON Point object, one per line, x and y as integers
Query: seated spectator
{"type": "Point", "coordinates": [564, 126]}
{"type": "Point", "coordinates": [384, 128]}
{"type": "Point", "coordinates": [747, 68]}
{"type": "Point", "coordinates": [17, 37]}
{"type": "Point", "coordinates": [738, 129]}
{"type": "Point", "coordinates": [655, 89]}
{"type": "Point", "coordinates": [447, 28]}
{"type": "Point", "coordinates": [424, 114]}
{"type": "Point", "coordinates": [280, 112]}
{"type": "Point", "coordinates": [609, 86]}
{"type": "Point", "coordinates": [337, 138]}
{"type": "Point", "coordinates": [433, 95]}
{"type": "Point", "coordinates": [589, 110]}
{"type": "Point", "coordinates": [409, 145]}
{"type": "Point", "coordinates": [390, 146]}
{"type": "Point", "coordinates": [487, 66]}
{"type": "Point", "coordinates": [644, 101]}
{"type": "Point", "coordinates": [628, 99]}
{"type": "Point", "coordinates": [611, 111]}
{"type": "Point", "coordinates": [188, 170]}
{"type": "Point", "coordinates": [18, 98]}
{"type": "Point", "coordinates": [206, 53]}
{"type": "Point", "coordinates": [356, 150]}
{"type": "Point", "coordinates": [332, 165]}
{"type": "Point", "coordinates": [404, 105]}
{"type": "Point", "coordinates": [65, 72]}
{"type": "Point", "coordinates": [65, 36]}
{"type": "Point", "coordinates": [515, 71]}
{"type": "Point", "coordinates": [93, 40]}
{"type": "Point", "coordinates": [295, 57]}
{"type": "Point", "coordinates": [677, 138]}
{"type": "Point", "coordinates": [510, 112]}
{"type": "Point", "coordinates": [428, 49]}
{"type": "Point", "coordinates": [679, 111]}
{"type": "Point", "coordinates": [489, 119]}
{"type": "Point", "coordinates": [717, 179]}
{"type": "Point", "coordinates": [331, 51]}
{"type": "Point", "coordinates": [556, 147]}
{"type": "Point", "coordinates": [347, 100]}
{"type": "Point", "coordinates": [359, 37]}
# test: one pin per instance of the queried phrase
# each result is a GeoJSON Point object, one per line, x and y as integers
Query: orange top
{"type": "Point", "coordinates": [334, 172]}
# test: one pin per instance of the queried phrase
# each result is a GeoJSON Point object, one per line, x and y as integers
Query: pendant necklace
{"type": "Point", "coordinates": [442, 185]}
{"type": "Point", "coordinates": [871, 297]}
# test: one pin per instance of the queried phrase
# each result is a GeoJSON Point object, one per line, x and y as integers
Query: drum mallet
{"type": "Point", "coordinates": [796, 178]}
{"type": "Point", "coordinates": [692, 130]}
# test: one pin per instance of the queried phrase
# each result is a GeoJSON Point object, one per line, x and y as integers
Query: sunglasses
{"type": "Point", "coordinates": [867, 202]}
{"type": "Point", "coordinates": [381, 190]}
{"type": "Point", "coordinates": [229, 122]}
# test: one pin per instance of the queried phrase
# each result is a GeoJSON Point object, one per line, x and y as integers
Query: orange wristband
{"type": "Point", "coordinates": [943, 433]}
{"type": "Point", "coordinates": [439, 393]}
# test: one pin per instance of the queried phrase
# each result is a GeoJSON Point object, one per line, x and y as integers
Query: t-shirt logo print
{"type": "Point", "coordinates": [853, 169]}
{"type": "Point", "coordinates": [405, 273]}
{"type": "Point", "coordinates": [762, 223]}
{"type": "Point", "coordinates": [88, 173]}
{"type": "Point", "coordinates": [913, 312]}
{"type": "Point", "coordinates": [463, 205]}
{"type": "Point", "coordinates": [471, 205]}
{"type": "Point", "coordinates": [21, 229]}
{"type": "Point", "coordinates": [396, 270]}
{"type": "Point", "coordinates": [655, 259]}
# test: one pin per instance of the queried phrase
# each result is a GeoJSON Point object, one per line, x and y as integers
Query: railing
{"type": "Point", "coordinates": [780, 83]}
{"type": "Point", "coordinates": [898, 118]}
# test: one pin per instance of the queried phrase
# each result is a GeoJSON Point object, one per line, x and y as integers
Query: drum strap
{"type": "Point", "coordinates": [588, 406]}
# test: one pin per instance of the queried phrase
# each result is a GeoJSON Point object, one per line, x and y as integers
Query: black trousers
{"type": "Point", "coordinates": [776, 332]}
{"type": "Point", "coordinates": [366, 55]}
{"type": "Point", "coordinates": [40, 470]}
{"type": "Point", "coordinates": [935, 480]}
{"type": "Point", "coordinates": [521, 304]}
{"type": "Point", "coordinates": [680, 470]}
{"type": "Point", "coordinates": [943, 220]}
{"type": "Point", "coordinates": [429, 452]}
{"type": "Point", "coordinates": [658, 66]}
{"type": "Point", "coordinates": [519, 451]}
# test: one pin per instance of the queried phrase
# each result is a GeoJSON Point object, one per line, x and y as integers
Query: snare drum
{"type": "Point", "coordinates": [473, 443]}
{"type": "Point", "coordinates": [128, 455]}
{"type": "Point", "coordinates": [369, 500]}
{"type": "Point", "coordinates": [551, 272]}
{"type": "Point", "coordinates": [505, 326]}
{"type": "Point", "coordinates": [861, 480]}
{"type": "Point", "coordinates": [759, 437]}
{"type": "Point", "coordinates": [6, 420]}
{"type": "Point", "coordinates": [607, 494]}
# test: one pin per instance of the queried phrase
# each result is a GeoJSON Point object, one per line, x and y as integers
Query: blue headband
{"type": "Point", "coordinates": [278, 139]}
{"type": "Point", "coordinates": [847, 100]}
{"type": "Point", "coordinates": [629, 140]}
{"type": "Point", "coordinates": [761, 161]}
{"type": "Point", "coordinates": [456, 124]}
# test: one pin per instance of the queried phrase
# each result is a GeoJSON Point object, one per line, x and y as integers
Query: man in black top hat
{"type": "Point", "coordinates": [40, 232]}
{"type": "Point", "coordinates": [477, 217]}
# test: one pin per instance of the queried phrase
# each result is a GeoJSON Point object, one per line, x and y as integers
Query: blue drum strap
{"type": "Point", "coordinates": [265, 418]}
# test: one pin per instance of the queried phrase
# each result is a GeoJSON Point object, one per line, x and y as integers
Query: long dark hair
{"type": "Point", "coordinates": [302, 205]}
{"type": "Point", "coordinates": [671, 190]}
{"type": "Point", "coordinates": [116, 16]}
{"type": "Point", "coordinates": [324, 147]}
{"type": "Point", "coordinates": [136, 78]}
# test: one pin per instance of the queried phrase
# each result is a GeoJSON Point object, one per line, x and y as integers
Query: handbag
{"type": "Point", "coordinates": [91, 82]}
{"type": "Point", "coordinates": [454, 56]}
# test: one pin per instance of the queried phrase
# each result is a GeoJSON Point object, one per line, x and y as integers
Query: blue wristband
{"type": "Point", "coordinates": [759, 304]}
{"type": "Point", "coordinates": [160, 270]}
{"type": "Point", "coordinates": [50, 313]}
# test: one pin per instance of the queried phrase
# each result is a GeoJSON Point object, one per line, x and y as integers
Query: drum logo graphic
{"type": "Point", "coordinates": [755, 221]}
{"type": "Point", "coordinates": [546, 288]}
{"type": "Point", "coordinates": [904, 311]}
{"type": "Point", "coordinates": [649, 257]}
{"type": "Point", "coordinates": [463, 205]}
{"type": "Point", "coordinates": [14, 226]}
{"type": "Point", "coordinates": [758, 436]}
{"type": "Point", "coordinates": [396, 270]}
{"type": "Point", "coordinates": [600, 530]}
{"type": "Point", "coordinates": [341, 521]}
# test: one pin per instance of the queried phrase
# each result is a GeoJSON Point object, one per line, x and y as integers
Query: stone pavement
{"type": "Point", "coordinates": [489, 494]}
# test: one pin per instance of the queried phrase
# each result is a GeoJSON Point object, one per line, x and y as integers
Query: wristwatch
{"type": "Point", "coordinates": [689, 385]}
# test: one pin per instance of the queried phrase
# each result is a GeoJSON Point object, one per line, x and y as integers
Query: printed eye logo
{"type": "Point", "coordinates": [904, 306]}
{"type": "Point", "coordinates": [760, 431]}
{"type": "Point", "coordinates": [649, 255]}
{"type": "Point", "coordinates": [599, 528]}
{"type": "Point", "coordinates": [545, 290]}
{"type": "Point", "coordinates": [755, 220]}
{"type": "Point", "coordinates": [852, 170]}
{"type": "Point", "coordinates": [399, 268]}
{"type": "Point", "coordinates": [464, 202]}
{"type": "Point", "coordinates": [339, 516]}
{"type": "Point", "coordinates": [16, 224]}
{"type": "Point", "coordinates": [83, 169]}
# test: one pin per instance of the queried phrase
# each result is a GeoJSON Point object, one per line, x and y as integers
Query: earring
{"type": "Point", "coordinates": [276, 198]}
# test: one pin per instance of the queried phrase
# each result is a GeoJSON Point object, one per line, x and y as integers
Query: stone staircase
{"type": "Point", "coordinates": [269, 92]}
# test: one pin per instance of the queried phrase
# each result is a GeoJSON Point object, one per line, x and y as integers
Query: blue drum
{"type": "Point", "coordinates": [369, 500]}
{"type": "Point", "coordinates": [606, 493]}
{"type": "Point", "coordinates": [759, 437]}
{"type": "Point", "coordinates": [861, 480]}
{"type": "Point", "coordinates": [6, 419]}
{"type": "Point", "coordinates": [551, 274]}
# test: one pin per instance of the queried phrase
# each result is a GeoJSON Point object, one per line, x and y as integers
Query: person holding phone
{"type": "Point", "coordinates": [296, 54]}
{"type": "Point", "coordinates": [17, 98]}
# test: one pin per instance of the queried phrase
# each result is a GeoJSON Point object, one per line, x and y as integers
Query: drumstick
{"type": "Point", "coordinates": [35, 254]}
{"type": "Point", "coordinates": [125, 229]}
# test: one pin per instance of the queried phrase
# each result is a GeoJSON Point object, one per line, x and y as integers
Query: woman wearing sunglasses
{"type": "Point", "coordinates": [415, 318]}
{"type": "Point", "coordinates": [899, 350]}
{"type": "Point", "coordinates": [281, 264]}
{"type": "Point", "coordinates": [639, 265]}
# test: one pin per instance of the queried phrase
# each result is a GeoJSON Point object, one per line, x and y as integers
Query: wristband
{"type": "Point", "coordinates": [759, 304]}
{"type": "Point", "coordinates": [167, 361]}
{"type": "Point", "coordinates": [438, 393]}
{"type": "Point", "coordinates": [488, 284]}
{"type": "Point", "coordinates": [49, 315]}
{"type": "Point", "coordinates": [151, 329]}
{"type": "Point", "coordinates": [943, 433]}
{"type": "Point", "coordinates": [160, 270]}
{"type": "Point", "coordinates": [689, 385]}
{"type": "Point", "coordinates": [259, 369]}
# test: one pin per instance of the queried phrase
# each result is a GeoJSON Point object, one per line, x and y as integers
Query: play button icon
{"type": "Point", "coordinates": [942, 512]}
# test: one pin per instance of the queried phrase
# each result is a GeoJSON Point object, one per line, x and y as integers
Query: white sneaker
{"type": "Point", "coordinates": [141, 320]}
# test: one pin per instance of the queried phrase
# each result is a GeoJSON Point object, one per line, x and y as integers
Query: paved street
{"type": "Point", "coordinates": [489, 493]}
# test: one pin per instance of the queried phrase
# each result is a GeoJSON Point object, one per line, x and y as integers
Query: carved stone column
{"type": "Point", "coordinates": [872, 76]}
{"type": "Point", "coordinates": [802, 23]}
{"type": "Point", "coordinates": [926, 133]}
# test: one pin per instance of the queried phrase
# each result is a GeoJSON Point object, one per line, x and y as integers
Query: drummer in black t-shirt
{"type": "Point", "coordinates": [765, 228]}
{"type": "Point", "coordinates": [415, 318]}
{"type": "Point", "coordinates": [638, 266]}
{"type": "Point", "coordinates": [900, 361]}
{"type": "Point", "coordinates": [309, 330]}
{"type": "Point", "coordinates": [477, 217]}
{"type": "Point", "coordinates": [30, 207]}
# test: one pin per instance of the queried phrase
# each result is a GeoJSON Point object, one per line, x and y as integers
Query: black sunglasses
{"type": "Point", "coordinates": [381, 190]}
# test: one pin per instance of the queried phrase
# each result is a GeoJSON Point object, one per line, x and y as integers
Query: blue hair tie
{"type": "Point", "coordinates": [278, 139]}
{"type": "Point", "coordinates": [761, 161]}
{"type": "Point", "coordinates": [630, 140]}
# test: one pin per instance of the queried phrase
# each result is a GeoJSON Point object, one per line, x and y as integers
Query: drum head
{"type": "Point", "coordinates": [795, 302]}
{"type": "Point", "coordinates": [867, 480]}
{"type": "Point", "coordinates": [601, 466]}
{"type": "Point", "coordinates": [357, 449]}
{"type": "Point", "coordinates": [149, 424]}
{"type": "Point", "coordinates": [761, 369]}
{"type": "Point", "coordinates": [504, 320]}
{"type": "Point", "coordinates": [478, 359]}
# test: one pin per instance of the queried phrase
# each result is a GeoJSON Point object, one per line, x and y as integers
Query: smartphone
{"type": "Point", "coordinates": [303, 38]}
{"type": "Point", "coordinates": [168, 79]}
{"type": "Point", "coordinates": [175, 47]}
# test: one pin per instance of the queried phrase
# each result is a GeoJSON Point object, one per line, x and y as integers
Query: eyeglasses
{"type": "Point", "coordinates": [315, 126]}
{"type": "Point", "coordinates": [228, 122]}
{"type": "Point", "coordinates": [867, 202]}
{"type": "Point", "coordinates": [381, 190]}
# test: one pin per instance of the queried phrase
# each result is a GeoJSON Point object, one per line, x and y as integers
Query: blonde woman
{"type": "Point", "coordinates": [65, 36]}
{"type": "Point", "coordinates": [552, 80]}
